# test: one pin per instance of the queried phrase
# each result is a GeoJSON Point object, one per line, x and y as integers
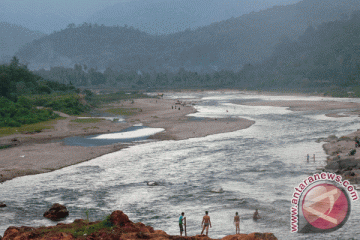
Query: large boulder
{"type": "Point", "coordinates": [24, 233]}
{"type": "Point", "coordinates": [119, 218]}
{"type": "Point", "coordinates": [348, 163]}
{"type": "Point", "coordinates": [56, 212]}
{"type": "Point", "coordinates": [332, 165]}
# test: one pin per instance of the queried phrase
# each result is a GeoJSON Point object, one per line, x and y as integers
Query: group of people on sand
{"type": "Point", "coordinates": [206, 223]}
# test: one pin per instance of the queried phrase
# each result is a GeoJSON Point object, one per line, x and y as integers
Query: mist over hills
{"type": "Point", "coordinates": [12, 37]}
{"type": "Point", "coordinates": [324, 59]}
{"type": "Point", "coordinates": [170, 16]}
{"type": "Point", "coordinates": [229, 44]}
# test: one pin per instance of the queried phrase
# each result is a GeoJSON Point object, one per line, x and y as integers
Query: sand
{"type": "Point", "coordinates": [43, 152]}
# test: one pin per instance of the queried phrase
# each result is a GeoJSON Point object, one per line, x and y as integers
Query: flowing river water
{"type": "Point", "coordinates": [257, 167]}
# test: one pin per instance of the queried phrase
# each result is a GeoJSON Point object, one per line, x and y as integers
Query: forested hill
{"type": "Point", "coordinates": [12, 37]}
{"type": "Point", "coordinates": [325, 57]}
{"type": "Point", "coordinates": [228, 44]}
{"type": "Point", "coordinates": [164, 16]}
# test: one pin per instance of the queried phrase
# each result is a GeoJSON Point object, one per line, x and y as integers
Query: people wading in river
{"type": "Point", "coordinates": [256, 215]}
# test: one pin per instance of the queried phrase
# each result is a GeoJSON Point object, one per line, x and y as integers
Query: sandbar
{"type": "Point", "coordinates": [34, 153]}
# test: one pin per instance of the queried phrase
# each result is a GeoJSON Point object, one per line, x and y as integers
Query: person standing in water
{"type": "Point", "coordinates": [256, 215]}
{"type": "Point", "coordinates": [206, 223]}
{"type": "Point", "coordinates": [237, 223]}
{"type": "Point", "coordinates": [182, 220]}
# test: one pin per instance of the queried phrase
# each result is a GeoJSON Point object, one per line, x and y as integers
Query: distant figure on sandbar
{"type": "Point", "coordinates": [182, 220]}
{"type": "Point", "coordinates": [172, 107]}
{"type": "Point", "coordinates": [237, 222]}
{"type": "Point", "coordinates": [307, 157]}
{"type": "Point", "coordinates": [314, 157]}
{"type": "Point", "coordinates": [256, 215]}
{"type": "Point", "coordinates": [206, 223]}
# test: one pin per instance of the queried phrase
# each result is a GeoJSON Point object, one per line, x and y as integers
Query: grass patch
{"type": "Point", "coordinates": [4, 146]}
{"type": "Point", "coordinates": [81, 231]}
{"type": "Point", "coordinates": [87, 120]}
{"type": "Point", "coordinates": [67, 103]}
{"type": "Point", "coordinates": [123, 111]}
{"type": "Point", "coordinates": [28, 128]}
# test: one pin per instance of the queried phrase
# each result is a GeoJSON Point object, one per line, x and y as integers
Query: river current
{"type": "Point", "coordinates": [240, 171]}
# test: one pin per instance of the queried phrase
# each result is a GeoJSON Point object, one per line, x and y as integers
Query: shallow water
{"type": "Point", "coordinates": [128, 135]}
{"type": "Point", "coordinates": [257, 167]}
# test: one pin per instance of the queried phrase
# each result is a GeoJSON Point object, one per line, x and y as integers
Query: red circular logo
{"type": "Point", "coordinates": [325, 206]}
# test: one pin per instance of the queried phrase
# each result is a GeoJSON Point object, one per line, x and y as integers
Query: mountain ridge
{"type": "Point", "coordinates": [228, 44]}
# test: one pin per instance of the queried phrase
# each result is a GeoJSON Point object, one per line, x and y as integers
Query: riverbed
{"type": "Point", "coordinates": [240, 171]}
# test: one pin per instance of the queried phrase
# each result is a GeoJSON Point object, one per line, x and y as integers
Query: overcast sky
{"type": "Point", "coordinates": [33, 13]}
{"type": "Point", "coordinates": [63, 8]}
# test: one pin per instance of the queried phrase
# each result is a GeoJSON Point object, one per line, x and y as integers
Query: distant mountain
{"type": "Point", "coordinates": [12, 37]}
{"type": "Point", "coordinates": [252, 37]}
{"type": "Point", "coordinates": [325, 57]}
{"type": "Point", "coordinates": [170, 16]}
{"type": "Point", "coordinates": [229, 44]}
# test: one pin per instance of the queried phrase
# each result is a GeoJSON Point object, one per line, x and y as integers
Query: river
{"type": "Point", "coordinates": [240, 171]}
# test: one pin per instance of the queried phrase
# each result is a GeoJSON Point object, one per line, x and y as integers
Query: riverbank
{"type": "Point", "coordinates": [41, 152]}
{"type": "Point", "coordinates": [342, 159]}
{"type": "Point", "coordinates": [338, 148]}
{"type": "Point", "coordinates": [116, 226]}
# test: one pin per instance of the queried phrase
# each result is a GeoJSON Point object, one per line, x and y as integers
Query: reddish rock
{"type": "Point", "coordinates": [119, 218]}
{"type": "Point", "coordinates": [122, 229]}
{"type": "Point", "coordinates": [251, 236]}
{"type": "Point", "coordinates": [56, 212]}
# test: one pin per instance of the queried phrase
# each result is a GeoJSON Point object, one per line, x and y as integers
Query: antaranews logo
{"type": "Point", "coordinates": [321, 203]}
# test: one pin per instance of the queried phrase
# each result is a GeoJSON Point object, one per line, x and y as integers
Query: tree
{"type": "Point", "coordinates": [14, 62]}
{"type": "Point", "coordinates": [71, 25]}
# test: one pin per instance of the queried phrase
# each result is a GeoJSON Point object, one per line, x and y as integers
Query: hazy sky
{"type": "Point", "coordinates": [63, 8]}
{"type": "Point", "coordinates": [50, 15]}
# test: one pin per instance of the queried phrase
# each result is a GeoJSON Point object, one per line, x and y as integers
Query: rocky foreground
{"type": "Point", "coordinates": [116, 226]}
{"type": "Point", "coordinates": [344, 156]}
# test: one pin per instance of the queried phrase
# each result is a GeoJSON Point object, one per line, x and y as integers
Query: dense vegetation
{"type": "Point", "coordinates": [21, 91]}
{"type": "Point", "coordinates": [15, 114]}
{"type": "Point", "coordinates": [225, 45]}
{"type": "Point", "coordinates": [324, 59]}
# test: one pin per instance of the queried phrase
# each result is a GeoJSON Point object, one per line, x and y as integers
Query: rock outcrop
{"type": "Point", "coordinates": [56, 212]}
{"type": "Point", "coordinates": [2, 205]}
{"type": "Point", "coordinates": [342, 158]}
{"type": "Point", "coordinates": [116, 226]}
